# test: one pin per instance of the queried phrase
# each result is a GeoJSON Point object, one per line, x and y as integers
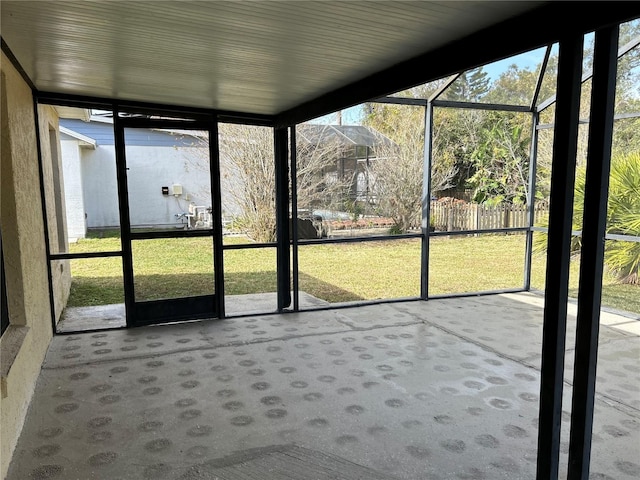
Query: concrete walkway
{"type": "Point", "coordinates": [444, 389]}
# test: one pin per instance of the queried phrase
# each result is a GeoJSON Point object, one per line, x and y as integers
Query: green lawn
{"type": "Point", "coordinates": [334, 272]}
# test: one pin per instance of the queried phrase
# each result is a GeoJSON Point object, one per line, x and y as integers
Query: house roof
{"type": "Point", "coordinates": [287, 61]}
{"type": "Point", "coordinates": [83, 140]}
{"type": "Point", "coordinates": [101, 128]}
{"type": "Point", "coordinates": [345, 135]}
{"type": "Point", "coordinates": [100, 131]}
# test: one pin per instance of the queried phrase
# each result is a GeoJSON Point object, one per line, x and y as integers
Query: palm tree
{"type": "Point", "coordinates": [621, 257]}
{"type": "Point", "coordinates": [623, 218]}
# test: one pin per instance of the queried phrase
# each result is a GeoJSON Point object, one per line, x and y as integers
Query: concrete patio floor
{"type": "Point", "coordinates": [444, 389]}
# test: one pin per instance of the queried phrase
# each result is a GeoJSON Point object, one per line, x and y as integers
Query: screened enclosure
{"type": "Point", "coordinates": [470, 242]}
{"type": "Point", "coordinates": [439, 190]}
{"type": "Point", "coordinates": [466, 212]}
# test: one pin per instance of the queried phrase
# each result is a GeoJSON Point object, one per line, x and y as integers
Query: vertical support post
{"type": "Point", "coordinates": [294, 219]}
{"type": "Point", "coordinates": [45, 220]}
{"type": "Point", "coordinates": [216, 212]}
{"type": "Point", "coordinates": [282, 218]}
{"type": "Point", "coordinates": [125, 225]}
{"type": "Point", "coordinates": [558, 255]}
{"type": "Point", "coordinates": [531, 198]}
{"type": "Point", "coordinates": [426, 200]}
{"type": "Point", "coordinates": [603, 90]}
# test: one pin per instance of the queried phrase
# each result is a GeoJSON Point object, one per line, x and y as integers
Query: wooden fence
{"type": "Point", "coordinates": [450, 216]}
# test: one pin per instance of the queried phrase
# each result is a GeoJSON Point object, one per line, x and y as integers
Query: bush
{"type": "Point", "coordinates": [622, 258]}
{"type": "Point", "coordinates": [623, 218]}
{"type": "Point", "coordinates": [396, 229]}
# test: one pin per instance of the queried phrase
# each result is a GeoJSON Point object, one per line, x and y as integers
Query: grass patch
{"type": "Point", "coordinates": [474, 264]}
{"type": "Point", "coordinates": [334, 272]}
{"type": "Point", "coordinates": [343, 272]}
{"type": "Point", "coordinates": [96, 281]}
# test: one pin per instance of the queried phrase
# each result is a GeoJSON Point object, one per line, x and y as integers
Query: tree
{"type": "Point", "coordinates": [502, 162]}
{"type": "Point", "coordinates": [247, 172]}
{"type": "Point", "coordinates": [626, 130]}
{"type": "Point", "coordinates": [397, 174]}
{"type": "Point", "coordinates": [516, 86]}
{"type": "Point", "coordinates": [321, 182]}
{"type": "Point", "coordinates": [247, 176]}
{"type": "Point", "coordinates": [457, 135]}
{"type": "Point", "coordinates": [470, 86]}
{"type": "Point", "coordinates": [623, 217]}
{"type": "Point", "coordinates": [398, 170]}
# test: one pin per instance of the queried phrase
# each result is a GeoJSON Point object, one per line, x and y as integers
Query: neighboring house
{"type": "Point", "coordinates": [159, 163]}
{"type": "Point", "coordinates": [162, 163]}
{"type": "Point", "coordinates": [356, 145]}
{"type": "Point", "coordinates": [72, 147]}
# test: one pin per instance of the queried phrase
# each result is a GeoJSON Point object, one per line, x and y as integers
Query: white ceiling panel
{"type": "Point", "coordinates": [284, 58]}
{"type": "Point", "coordinates": [260, 57]}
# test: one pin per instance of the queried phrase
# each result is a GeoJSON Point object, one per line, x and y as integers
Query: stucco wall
{"type": "Point", "coordinates": [24, 344]}
{"type": "Point", "coordinates": [54, 183]}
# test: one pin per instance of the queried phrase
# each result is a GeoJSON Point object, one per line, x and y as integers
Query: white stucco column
{"type": "Point", "coordinates": [73, 194]}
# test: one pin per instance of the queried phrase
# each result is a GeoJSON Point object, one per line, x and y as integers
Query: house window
{"type": "Point", "coordinates": [331, 178]}
{"type": "Point", "coordinates": [362, 151]}
{"type": "Point", "coordinates": [362, 187]}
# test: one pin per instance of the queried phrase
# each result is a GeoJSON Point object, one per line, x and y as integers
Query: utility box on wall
{"type": "Point", "coordinates": [176, 189]}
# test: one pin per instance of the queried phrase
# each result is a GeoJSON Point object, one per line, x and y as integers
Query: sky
{"type": "Point", "coordinates": [531, 59]}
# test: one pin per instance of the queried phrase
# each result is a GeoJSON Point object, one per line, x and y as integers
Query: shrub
{"type": "Point", "coordinates": [396, 229]}
{"type": "Point", "coordinates": [622, 258]}
{"type": "Point", "coordinates": [623, 217]}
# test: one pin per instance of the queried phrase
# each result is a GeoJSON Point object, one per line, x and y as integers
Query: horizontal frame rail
{"type": "Point", "coordinates": [171, 234]}
{"type": "Point", "coordinates": [382, 238]}
{"type": "Point", "coordinates": [245, 246]}
{"type": "Point", "coordinates": [478, 232]}
{"type": "Point", "coordinates": [71, 256]}
{"type": "Point", "coordinates": [608, 236]}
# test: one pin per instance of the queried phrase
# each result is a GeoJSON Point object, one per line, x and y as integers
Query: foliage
{"type": "Point", "coordinates": [320, 182]}
{"type": "Point", "coordinates": [514, 86]}
{"type": "Point", "coordinates": [396, 229]}
{"type": "Point", "coordinates": [623, 217]}
{"type": "Point", "coordinates": [501, 162]}
{"type": "Point", "coordinates": [456, 138]}
{"type": "Point", "coordinates": [625, 132]}
{"type": "Point", "coordinates": [470, 86]}
{"type": "Point", "coordinates": [247, 175]}
{"type": "Point", "coordinates": [354, 208]}
{"type": "Point", "coordinates": [397, 173]}
{"type": "Point", "coordinates": [247, 170]}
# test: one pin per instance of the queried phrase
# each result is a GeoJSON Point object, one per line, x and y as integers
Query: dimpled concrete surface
{"type": "Point", "coordinates": [444, 389]}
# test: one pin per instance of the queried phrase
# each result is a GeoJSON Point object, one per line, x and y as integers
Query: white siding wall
{"type": "Point", "coordinates": [100, 187]}
{"type": "Point", "coordinates": [73, 191]}
{"type": "Point", "coordinates": [149, 169]}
